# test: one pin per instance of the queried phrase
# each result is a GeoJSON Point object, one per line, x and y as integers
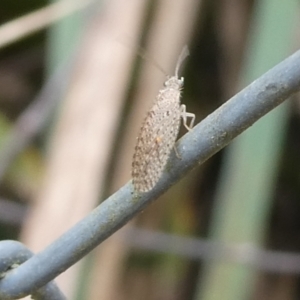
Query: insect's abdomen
{"type": "Point", "coordinates": [155, 141]}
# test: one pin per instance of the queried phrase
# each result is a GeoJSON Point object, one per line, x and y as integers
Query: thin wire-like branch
{"type": "Point", "coordinates": [192, 248]}
{"type": "Point", "coordinates": [38, 20]}
{"type": "Point", "coordinates": [207, 138]}
{"type": "Point", "coordinates": [11, 212]}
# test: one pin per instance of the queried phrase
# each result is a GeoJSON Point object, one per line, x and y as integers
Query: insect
{"type": "Point", "coordinates": [159, 132]}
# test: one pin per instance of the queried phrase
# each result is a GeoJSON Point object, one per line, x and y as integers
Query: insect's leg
{"type": "Point", "coordinates": [176, 152]}
{"type": "Point", "coordinates": [185, 115]}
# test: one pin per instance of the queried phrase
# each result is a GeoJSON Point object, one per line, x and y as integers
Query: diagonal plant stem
{"type": "Point", "coordinates": [26, 25]}
{"type": "Point", "coordinates": [207, 138]}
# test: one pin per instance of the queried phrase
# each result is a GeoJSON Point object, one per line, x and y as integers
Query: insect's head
{"type": "Point", "coordinates": [174, 82]}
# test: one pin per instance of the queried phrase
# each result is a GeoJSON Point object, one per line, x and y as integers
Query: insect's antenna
{"type": "Point", "coordinates": [143, 54]}
{"type": "Point", "coordinates": [183, 55]}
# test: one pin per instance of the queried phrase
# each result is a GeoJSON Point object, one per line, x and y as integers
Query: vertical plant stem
{"type": "Point", "coordinates": [244, 194]}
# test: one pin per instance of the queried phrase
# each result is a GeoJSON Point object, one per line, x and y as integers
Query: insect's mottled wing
{"type": "Point", "coordinates": [155, 142]}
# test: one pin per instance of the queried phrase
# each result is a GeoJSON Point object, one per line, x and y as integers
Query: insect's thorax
{"type": "Point", "coordinates": [171, 90]}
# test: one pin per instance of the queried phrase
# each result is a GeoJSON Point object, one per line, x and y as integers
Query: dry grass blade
{"type": "Point", "coordinates": [40, 19]}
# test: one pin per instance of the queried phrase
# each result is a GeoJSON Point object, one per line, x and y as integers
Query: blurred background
{"type": "Point", "coordinates": [73, 93]}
